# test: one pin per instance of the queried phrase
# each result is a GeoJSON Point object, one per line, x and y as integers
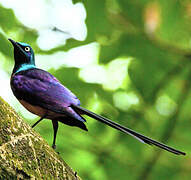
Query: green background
{"type": "Point", "coordinates": [155, 38]}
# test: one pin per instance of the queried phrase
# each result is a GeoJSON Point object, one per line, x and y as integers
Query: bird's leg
{"type": "Point", "coordinates": [55, 127]}
{"type": "Point", "coordinates": [38, 121]}
{"type": "Point", "coordinates": [75, 174]}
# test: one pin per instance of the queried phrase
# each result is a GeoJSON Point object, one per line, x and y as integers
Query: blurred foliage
{"type": "Point", "coordinates": [156, 35]}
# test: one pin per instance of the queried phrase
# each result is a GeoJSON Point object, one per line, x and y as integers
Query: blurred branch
{"type": "Point", "coordinates": [166, 46]}
{"type": "Point", "coordinates": [24, 154]}
{"type": "Point", "coordinates": [169, 129]}
{"type": "Point", "coordinates": [168, 77]}
{"type": "Point", "coordinates": [59, 30]}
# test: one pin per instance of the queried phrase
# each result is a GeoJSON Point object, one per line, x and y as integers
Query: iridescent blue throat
{"type": "Point", "coordinates": [24, 67]}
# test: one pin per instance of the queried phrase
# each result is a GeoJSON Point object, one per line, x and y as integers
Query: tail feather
{"type": "Point", "coordinates": [71, 122]}
{"type": "Point", "coordinates": [126, 130]}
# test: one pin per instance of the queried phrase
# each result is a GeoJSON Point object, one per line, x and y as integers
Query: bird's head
{"type": "Point", "coordinates": [23, 55]}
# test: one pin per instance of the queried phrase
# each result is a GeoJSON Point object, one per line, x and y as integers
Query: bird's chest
{"type": "Point", "coordinates": [39, 111]}
{"type": "Point", "coordinates": [34, 109]}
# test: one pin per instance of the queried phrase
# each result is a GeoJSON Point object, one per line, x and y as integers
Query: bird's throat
{"type": "Point", "coordinates": [23, 67]}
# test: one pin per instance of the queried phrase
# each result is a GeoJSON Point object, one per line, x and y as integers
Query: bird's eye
{"type": "Point", "coordinates": [27, 49]}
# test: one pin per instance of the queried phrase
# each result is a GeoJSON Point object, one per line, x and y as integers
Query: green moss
{"type": "Point", "coordinates": [24, 154]}
{"type": "Point", "coordinates": [4, 174]}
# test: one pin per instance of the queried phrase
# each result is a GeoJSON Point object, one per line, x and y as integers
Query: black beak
{"type": "Point", "coordinates": [16, 46]}
{"type": "Point", "coordinates": [13, 43]}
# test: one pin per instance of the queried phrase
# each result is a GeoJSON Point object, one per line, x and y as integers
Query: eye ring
{"type": "Point", "coordinates": [27, 49]}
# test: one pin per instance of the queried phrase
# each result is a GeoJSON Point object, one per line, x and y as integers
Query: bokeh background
{"type": "Point", "coordinates": [127, 60]}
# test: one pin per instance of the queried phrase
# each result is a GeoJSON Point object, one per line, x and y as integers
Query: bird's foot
{"type": "Point", "coordinates": [75, 174]}
{"type": "Point", "coordinates": [54, 147]}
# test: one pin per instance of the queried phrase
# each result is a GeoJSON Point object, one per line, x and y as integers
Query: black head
{"type": "Point", "coordinates": [23, 55]}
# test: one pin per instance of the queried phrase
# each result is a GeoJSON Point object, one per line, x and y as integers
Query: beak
{"type": "Point", "coordinates": [16, 46]}
{"type": "Point", "coordinates": [13, 43]}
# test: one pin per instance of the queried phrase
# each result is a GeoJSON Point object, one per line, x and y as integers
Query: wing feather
{"type": "Point", "coordinates": [40, 88]}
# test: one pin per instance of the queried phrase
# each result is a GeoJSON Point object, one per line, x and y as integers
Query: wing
{"type": "Point", "coordinates": [40, 88]}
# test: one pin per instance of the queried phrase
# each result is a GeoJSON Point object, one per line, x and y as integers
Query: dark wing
{"type": "Point", "coordinates": [40, 88]}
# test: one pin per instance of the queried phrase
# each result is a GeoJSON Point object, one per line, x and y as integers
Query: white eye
{"type": "Point", "coordinates": [27, 49]}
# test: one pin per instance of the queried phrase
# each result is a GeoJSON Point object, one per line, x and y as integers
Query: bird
{"type": "Point", "coordinates": [42, 94]}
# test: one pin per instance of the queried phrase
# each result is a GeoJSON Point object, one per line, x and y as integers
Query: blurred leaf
{"type": "Point", "coordinates": [8, 19]}
{"type": "Point", "coordinates": [133, 11]}
{"type": "Point", "coordinates": [5, 46]}
{"type": "Point", "coordinates": [175, 25]}
{"type": "Point", "coordinates": [76, 1]}
{"type": "Point", "coordinates": [150, 64]}
{"type": "Point", "coordinates": [29, 36]}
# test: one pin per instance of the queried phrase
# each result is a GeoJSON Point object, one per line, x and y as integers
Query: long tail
{"type": "Point", "coordinates": [126, 130]}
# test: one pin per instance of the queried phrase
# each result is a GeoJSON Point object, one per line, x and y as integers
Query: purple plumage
{"type": "Point", "coordinates": [42, 94]}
